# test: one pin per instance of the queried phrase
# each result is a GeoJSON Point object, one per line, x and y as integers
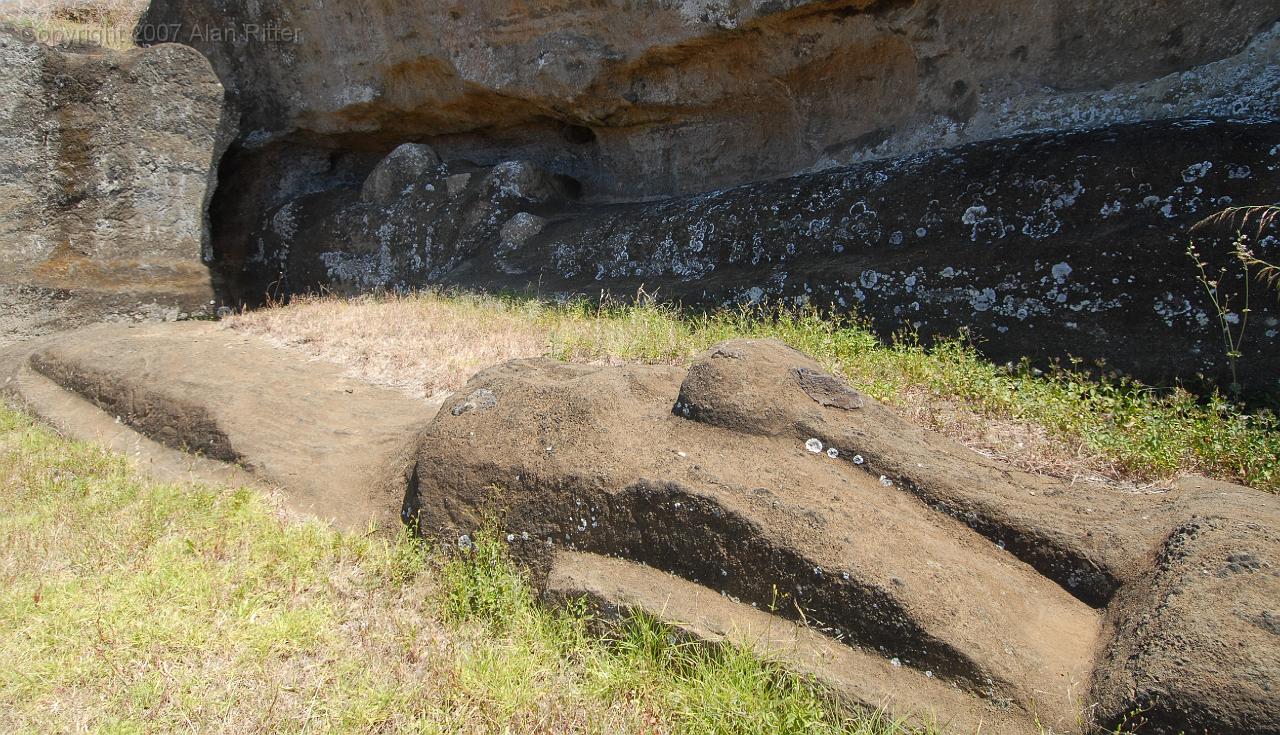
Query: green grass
{"type": "Point", "coordinates": [130, 606]}
{"type": "Point", "coordinates": [1128, 428]}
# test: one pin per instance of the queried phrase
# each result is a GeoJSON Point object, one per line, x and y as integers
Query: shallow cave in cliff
{"type": "Point", "coordinates": [1065, 248]}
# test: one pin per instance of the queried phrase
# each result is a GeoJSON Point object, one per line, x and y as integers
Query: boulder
{"type": "Point", "coordinates": [398, 173]}
{"type": "Point", "coordinates": [1195, 643]}
{"type": "Point", "coordinates": [761, 484]}
{"type": "Point", "coordinates": [109, 164]}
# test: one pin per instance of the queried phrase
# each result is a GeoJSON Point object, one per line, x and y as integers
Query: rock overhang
{"type": "Point", "coordinates": [676, 98]}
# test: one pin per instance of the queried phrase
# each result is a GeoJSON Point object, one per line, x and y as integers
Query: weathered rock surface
{"type": "Point", "coordinates": [1204, 618]}
{"type": "Point", "coordinates": [28, 311]}
{"type": "Point", "coordinates": [756, 476]}
{"type": "Point", "coordinates": [663, 98]}
{"type": "Point", "coordinates": [338, 447]}
{"type": "Point", "coordinates": [1049, 246]}
{"type": "Point", "coordinates": [109, 162]}
{"type": "Point", "coordinates": [354, 241]}
{"type": "Point", "coordinates": [862, 678]}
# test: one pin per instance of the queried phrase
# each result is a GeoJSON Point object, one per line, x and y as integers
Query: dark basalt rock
{"type": "Point", "coordinates": [1049, 246]}
{"type": "Point", "coordinates": [828, 390]}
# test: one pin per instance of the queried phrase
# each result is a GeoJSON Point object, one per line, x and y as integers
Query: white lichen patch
{"type": "Point", "coordinates": [1197, 171]}
{"type": "Point", "coordinates": [973, 215]}
{"type": "Point", "coordinates": [285, 222]}
{"type": "Point", "coordinates": [983, 300]}
{"type": "Point", "coordinates": [1171, 307]}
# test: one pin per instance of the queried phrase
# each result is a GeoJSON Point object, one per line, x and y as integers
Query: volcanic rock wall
{"type": "Point", "coordinates": [588, 146]}
{"type": "Point", "coordinates": [109, 163]}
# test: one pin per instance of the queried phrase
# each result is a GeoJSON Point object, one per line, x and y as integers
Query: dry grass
{"type": "Point", "coordinates": [424, 347]}
{"type": "Point", "coordinates": [1066, 426]}
{"type": "Point", "coordinates": [1023, 444]}
{"type": "Point", "coordinates": [75, 23]}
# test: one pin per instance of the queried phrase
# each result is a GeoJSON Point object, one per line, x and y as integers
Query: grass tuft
{"type": "Point", "coordinates": [670, 684]}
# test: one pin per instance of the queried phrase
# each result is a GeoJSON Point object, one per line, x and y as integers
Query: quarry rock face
{"type": "Point", "coordinates": [654, 120]}
{"type": "Point", "coordinates": [755, 487]}
{"type": "Point", "coordinates": [1028, 172]}
{"type": "Point", "coordinates": [1012, 169]}
{"type": "Point", "coordinates": [110, 161]}
{"type": "Point", "coordinates": [1050, 246]}
{"type": "Point", "coordinates": [663, 98]}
